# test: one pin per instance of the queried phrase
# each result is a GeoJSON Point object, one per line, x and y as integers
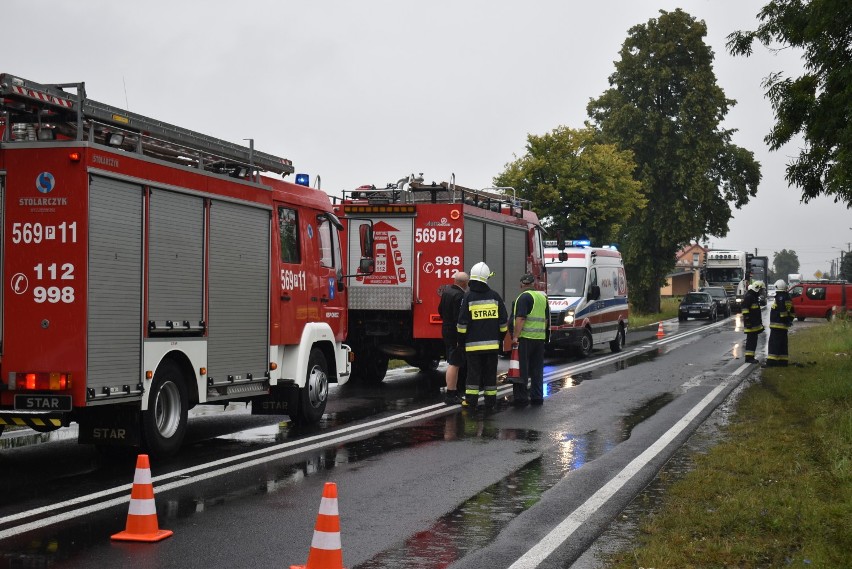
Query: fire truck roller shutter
{"type": "Point", "coordinates": [238, 335]}
{"type": "Point", "coordinates": [474, 242]}
{"type": "Point", "coordinates": [503, 248]}
{"type": "Point", "coordinates": [114, 283]}
{"type": "Point", "coordinates": [516, 261]}
{"type": "Point", "coordinates": [176, 260]}
{"type": "Point", "coordinates": [2, 224]}
{"type": "Point", "coordinates": [495, 251]}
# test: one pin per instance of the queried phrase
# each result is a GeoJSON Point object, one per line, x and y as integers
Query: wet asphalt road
{"type": "Point", "coordinates": [420, 484]}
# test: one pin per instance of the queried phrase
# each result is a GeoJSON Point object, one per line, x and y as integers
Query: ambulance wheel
{"type": "Point", "coordinates": [620, 340]}
{"type": "Point", "coordinates": [314, 395]}
{"type": "Point", "coordinates": [164, 423]}
{"type": "Point", "coordinates": [584, 348]}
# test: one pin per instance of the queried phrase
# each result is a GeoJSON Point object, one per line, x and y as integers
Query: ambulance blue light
{"type": "Point", "coordinates": [303, 179]}
{"type": "Point", "coordinates": [581, 243]}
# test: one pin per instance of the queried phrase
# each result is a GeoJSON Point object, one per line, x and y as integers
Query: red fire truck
{"type": "Point", "coordinates": [424, 233]}
{"type": "Point", "coordinates": [147, 269]}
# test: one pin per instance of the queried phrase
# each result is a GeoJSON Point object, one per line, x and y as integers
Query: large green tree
{"type": "Point", "coordinates": [818, 104]}
{"type": "Point", "coordinates": [665, 106]}
{"type": "Point", "coordinates": [785, 263]}
{"type": "Point", "coordinates": [575, 183]}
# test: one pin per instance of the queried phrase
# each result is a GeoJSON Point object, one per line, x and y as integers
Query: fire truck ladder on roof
{"type": "Point", "coordinates": [32, 111]}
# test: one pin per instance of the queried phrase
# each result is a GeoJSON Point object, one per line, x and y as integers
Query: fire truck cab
{"type": "Point", "coordinates": [147, 269]}
{"type": "Point", "coordinates": [587, 294]}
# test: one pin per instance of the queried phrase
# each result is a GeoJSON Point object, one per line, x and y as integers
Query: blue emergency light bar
{"type": "Point", "coordinates": [303, 180]}
{"type": "Point", "coordinates": [569, 243]}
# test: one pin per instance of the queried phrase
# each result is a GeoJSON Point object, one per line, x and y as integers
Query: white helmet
{"type": "Point", "coordinates": [480, 272]}
{"type": "Point", "coordinates": [780, 285]}
{"type": "Point", "coordinates": [756, 286]}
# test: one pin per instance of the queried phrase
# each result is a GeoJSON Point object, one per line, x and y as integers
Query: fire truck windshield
{"type": "Point", "coordinates": [566, 281]}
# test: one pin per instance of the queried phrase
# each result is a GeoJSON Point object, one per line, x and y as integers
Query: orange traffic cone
{"type": "Point", "coordinates": [142, 515]}
{"type": "Point", "coordinates": [514, 365]}
{"type": "Point", "coordinates": [660, 332]}
{"type": "Point", "coordinates": [325, 550]}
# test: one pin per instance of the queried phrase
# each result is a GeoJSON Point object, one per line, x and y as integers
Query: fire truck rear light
{"type": "Point", "coordinates": [202, 371]}
{"type": "Point", "coordinates": [43, 381]}
{"type": "Point", "coordinates": [273, 366]}
{"type": "Point", "coordinates": [74, 156]}
{"type": "Point", "coordinates": [149, 374]}
{"type": "Point", "coordinates": [435, 319]}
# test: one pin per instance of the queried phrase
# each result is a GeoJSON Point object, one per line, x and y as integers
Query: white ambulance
{"type": "Point", "coordinates": [587, 293]}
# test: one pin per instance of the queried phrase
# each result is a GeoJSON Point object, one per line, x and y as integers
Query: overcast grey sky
{"type": "Point", "coordinates": [369, 91]}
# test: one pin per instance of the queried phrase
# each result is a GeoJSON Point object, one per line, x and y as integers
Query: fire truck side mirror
{"type": "Point", "coordinates": [365, 232]}
{"type": "Point", "coordinates": [563, 256]}
{"type": "Point", "coordinates": [560, 243]}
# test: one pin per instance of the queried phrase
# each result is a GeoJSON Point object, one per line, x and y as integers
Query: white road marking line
{"type": "Point", "coordinates": [540, 551]}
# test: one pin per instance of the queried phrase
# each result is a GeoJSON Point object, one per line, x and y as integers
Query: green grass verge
{"type": "Point", "coordinates": [777, 491]}
{"type": "Point", "coordinates": [668, 309]}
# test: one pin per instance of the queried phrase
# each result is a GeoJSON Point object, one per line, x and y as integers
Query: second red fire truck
{"type": "Point", "coordinates": [423, 234]}
{"type": "Point", "coordinates": [147, 269]}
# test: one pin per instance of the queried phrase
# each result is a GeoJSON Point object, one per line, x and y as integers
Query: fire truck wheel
{"type": "Point", "coordinates": [427, 364]}
{"type": "Point", "coordinates": [584, 348]}
{"type": "Point", "coordinates": [315, 393]}
{"type": "Point", "coordinates": [164, 423]}
{"type": "Point", "coordinates": [618, 344]}
{"type": "Point", "coordinates": [370, 366]}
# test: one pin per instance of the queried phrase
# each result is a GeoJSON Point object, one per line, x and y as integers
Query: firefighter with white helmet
{"type": "Point", "coordinates": [483, 322]}
{"type": "Point", "coordinates": [480, 272]}
{"type": "Point", "coordinates": [781, 316]}
{"type": "Point", "coordinates": [752, 319]}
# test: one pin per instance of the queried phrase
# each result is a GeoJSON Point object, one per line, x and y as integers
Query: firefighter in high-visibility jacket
{"type": "Point", "coordinates": [483, 322]}
{"type": "Point", "coordinates": [780, 319]}
{"type": "Point", "coordinates": [529, 324]}
{"type": "Point", "coordinates": [752, 319]}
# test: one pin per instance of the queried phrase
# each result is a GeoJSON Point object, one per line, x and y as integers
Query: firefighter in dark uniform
{"type": "Point", "coordinates": [448, 308]}
{"type": "Point", "coordinates": [752, 319]}
{"type": "Point", "coordinates": [780, 319]}
{"type": "Point", "coordinates": [483, 322]}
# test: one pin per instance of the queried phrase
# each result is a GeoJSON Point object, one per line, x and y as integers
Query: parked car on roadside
{"type": "Point", "coordinates": [770, 291]}
{"type": "Point", "coordinates": [697, 305]}
{"type": "Point", "coordinates": [723, 303]}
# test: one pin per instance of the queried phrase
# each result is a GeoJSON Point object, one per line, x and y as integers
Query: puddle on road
{"type": "Point", "coordinates": [480, 519]}
{"type": "Point", "coordinates": [19, 438]}
{"type": "Point", "coordinates": [471, 526]}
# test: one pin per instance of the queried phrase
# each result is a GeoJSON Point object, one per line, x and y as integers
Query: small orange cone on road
{"type": "Point", "coordinates": [326, 552]}
{"type": "Point", "coordinates": [660, 332]}
{"type": "Point", "coordinates": [142, 515]}
{"type": "Point", "coordinates": [514, 365]}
